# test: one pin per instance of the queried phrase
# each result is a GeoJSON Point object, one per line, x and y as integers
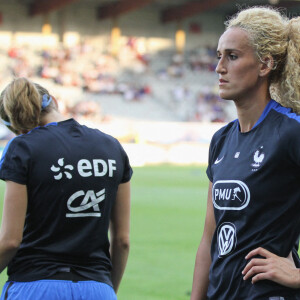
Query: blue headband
{"type": "Point", "coordinates": [46, 100]}
{"type": "Point", "coordinates": [6, 123]}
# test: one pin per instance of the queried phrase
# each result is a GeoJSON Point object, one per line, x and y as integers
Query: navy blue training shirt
{"type": "Point", "coordinates": [72, 174]}
{"type": "Point", "coordinates": [256, 198]}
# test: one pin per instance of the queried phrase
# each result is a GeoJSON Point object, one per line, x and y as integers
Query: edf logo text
{"type": "Point", "coordinates": [85, 168]}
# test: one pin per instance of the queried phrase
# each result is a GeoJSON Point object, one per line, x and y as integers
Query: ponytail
{"type": "Point", "coordinates": [288, 86]}
{"type": "Point", "coordinates": [22, 104]}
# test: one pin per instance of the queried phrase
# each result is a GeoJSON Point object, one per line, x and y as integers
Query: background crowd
{"type": "Point", "coordinates": [184, 84]}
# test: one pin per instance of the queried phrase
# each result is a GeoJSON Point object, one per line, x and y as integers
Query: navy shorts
{"type": "Point", "coordinates": [57, 290]}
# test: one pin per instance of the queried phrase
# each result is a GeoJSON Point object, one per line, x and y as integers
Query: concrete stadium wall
{"type": "Point", "coordinates": [82, 19]}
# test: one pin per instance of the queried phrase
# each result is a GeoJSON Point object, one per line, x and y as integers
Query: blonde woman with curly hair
{"type": "Point", "coordinates": [249, 245]}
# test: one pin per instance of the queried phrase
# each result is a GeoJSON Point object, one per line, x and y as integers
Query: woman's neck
{"type": "Point", "coordinates": [249, 112]}
{"type": "Point", "coordinates": [52, 116]}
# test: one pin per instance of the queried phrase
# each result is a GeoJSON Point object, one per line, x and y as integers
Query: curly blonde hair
{"type": "Point", "coordinates": [272, 34]}
{"type": "Point", "coordinates": [21, 105]}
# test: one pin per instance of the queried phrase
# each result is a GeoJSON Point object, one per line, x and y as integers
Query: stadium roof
{"type": "Point", "coordinates": [170, 10]}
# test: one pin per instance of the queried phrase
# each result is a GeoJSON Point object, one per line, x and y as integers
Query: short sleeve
{"type": "Point", "coordinates": [14, 163]}
{"type": "Point", "coordinates": [215, 141]}
{"type": "Point", "coordinates": [127, 174]}
{"type": "Point", "coordinates": [208, 170]}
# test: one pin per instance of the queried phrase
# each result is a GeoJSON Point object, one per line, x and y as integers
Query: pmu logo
{"type": "Point", "coordinates": [226, 238]}
{"type": "Point", "coordinates": [83, 204]}
{"type": "Point", "coordinates": [230, 195]}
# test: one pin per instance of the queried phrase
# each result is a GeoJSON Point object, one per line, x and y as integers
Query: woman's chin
{"type": "Point", "coordinates": [225, 96]}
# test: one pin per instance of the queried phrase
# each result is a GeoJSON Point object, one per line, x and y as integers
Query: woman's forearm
{"type": "Point", "coordinates": [201, 272]}
{"type": "Point", "coordinates": [119, 256]}
{"type": "Point", "coordinates": [8, 249]}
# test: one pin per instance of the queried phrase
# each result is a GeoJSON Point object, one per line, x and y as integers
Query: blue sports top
{"type": "Point", "coordinates": [256, 198]}
{"type": "Point", "coordinates": [72, 174]}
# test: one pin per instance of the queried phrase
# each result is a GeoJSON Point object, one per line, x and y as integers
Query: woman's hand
{"type": "Point", "coordinates": [275, 268]}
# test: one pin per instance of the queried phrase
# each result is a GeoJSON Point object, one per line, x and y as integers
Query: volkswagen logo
{"type": "Point", "coordinates": [226, 238]}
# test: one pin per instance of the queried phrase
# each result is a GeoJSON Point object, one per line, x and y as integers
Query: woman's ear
{"type": "Point", "coordinates": [55, 101]}
{"type": "Point", "coordinates": [267, 65]}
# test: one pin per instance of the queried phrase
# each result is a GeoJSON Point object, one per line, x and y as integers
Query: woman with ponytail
{"type": "Point", "coordinates": [249, 246]}
{"type": "Point", "coordinates": [67, 186]}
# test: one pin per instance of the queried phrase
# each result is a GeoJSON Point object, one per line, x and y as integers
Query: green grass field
{"type": "Point", "coordinates": [167, 217]}
{"type": "Point", "coordinates": [168, 210]}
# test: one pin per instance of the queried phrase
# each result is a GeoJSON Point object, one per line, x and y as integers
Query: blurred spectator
{"type": "Point", "coordinates": [132, 75]}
